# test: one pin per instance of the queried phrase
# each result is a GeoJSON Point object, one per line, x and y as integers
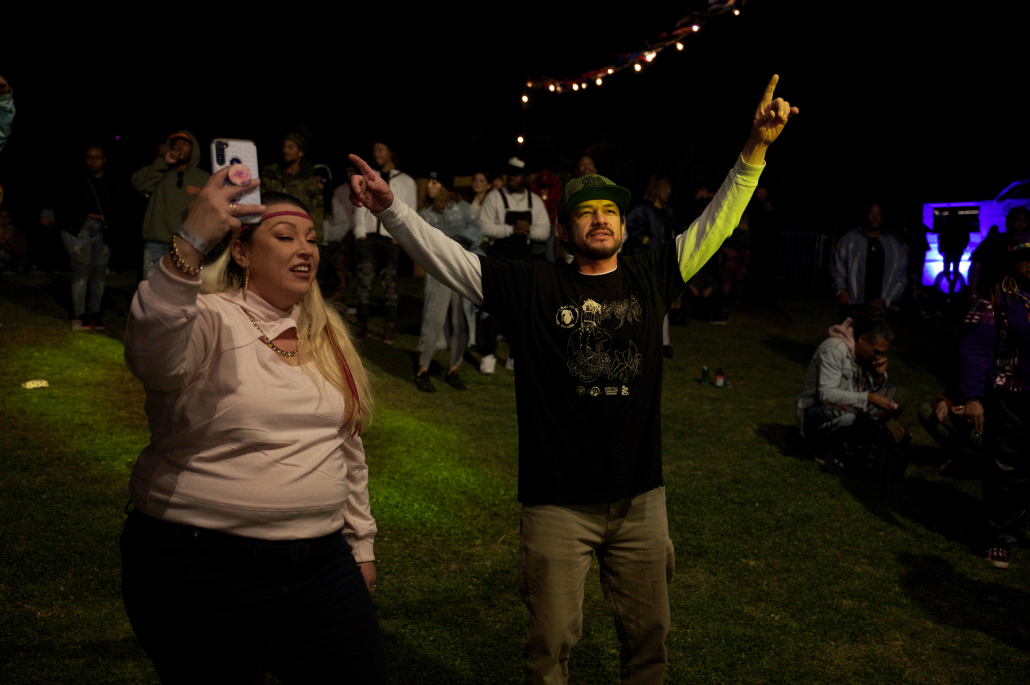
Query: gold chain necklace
{"type": "Point", "coordinates": [290, 355]}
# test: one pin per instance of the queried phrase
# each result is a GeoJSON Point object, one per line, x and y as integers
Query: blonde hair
{"type": "Point", "coordinates": [325, 321]}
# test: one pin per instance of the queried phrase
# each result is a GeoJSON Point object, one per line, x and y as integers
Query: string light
{"type": "Point", "coordinates": [525, 98]}
{"type": "Point", "coordinates": [686, 26]}
{"type": "Point", "coordinates": [521, 140]}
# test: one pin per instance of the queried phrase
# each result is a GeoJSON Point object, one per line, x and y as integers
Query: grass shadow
{"type": "Point", "coordinates": [793, 350]}
{"type": "Point", "coordinates": [933, 506]}
{"type": "Point", "coordinates": [786, 438]}
{"type": "Point", "coordinates": [952, 599]}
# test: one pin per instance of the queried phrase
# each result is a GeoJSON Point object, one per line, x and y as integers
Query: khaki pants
{"type": "Point", "coordinates": [631, 539]}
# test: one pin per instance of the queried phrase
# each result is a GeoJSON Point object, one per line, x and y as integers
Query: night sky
{"type": "Point", "coordinates": [902, 108]}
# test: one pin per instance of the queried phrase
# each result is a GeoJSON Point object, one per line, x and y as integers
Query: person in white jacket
{"type": "Point", "coordinates": [377, 251]}
{"type": "Point", "coordinates": [847, 376]}
{"type": "Point", "coordinates": [249, 546]}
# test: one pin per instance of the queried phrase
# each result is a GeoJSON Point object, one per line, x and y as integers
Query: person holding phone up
{"type": "Point", "coordinates": [249, 547]}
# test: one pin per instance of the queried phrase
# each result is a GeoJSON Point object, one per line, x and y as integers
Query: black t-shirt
{"type": "Point", "coordinates": [589, 381]}
{"type": "Point", "coordinates": [874, 266]}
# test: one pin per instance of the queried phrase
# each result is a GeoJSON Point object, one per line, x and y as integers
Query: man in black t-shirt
{"type": "Point", "coordinates": [588, 397]}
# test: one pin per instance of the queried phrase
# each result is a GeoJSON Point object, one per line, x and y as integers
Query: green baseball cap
{"type": "Point", "coordinates": [592, 187]}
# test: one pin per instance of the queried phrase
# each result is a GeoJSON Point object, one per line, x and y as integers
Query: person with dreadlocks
{"type": "Point", "coordinates": [994, 379]}
{"type": "Point", "coordinates": [248, 548]}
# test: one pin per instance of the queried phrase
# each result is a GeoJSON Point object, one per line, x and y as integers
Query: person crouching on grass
{"type": "Point", "coordinates": [249, 547]}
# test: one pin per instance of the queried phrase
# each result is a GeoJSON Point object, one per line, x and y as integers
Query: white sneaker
{"type": "Point", "coordinates": [487, 365]}
{"type": "Point", "coordinates": [510, 364]}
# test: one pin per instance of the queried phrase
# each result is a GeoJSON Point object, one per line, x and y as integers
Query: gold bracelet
{"type": "Point", "coordinates": [180, 263]}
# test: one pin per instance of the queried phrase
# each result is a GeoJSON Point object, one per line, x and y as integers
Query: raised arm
{"type": "Point", "coordinates": [162, 347]}
{"type": "Point", "coordinates": [704, 237]}
{"type": "Point", "coordinates": [441, 257]}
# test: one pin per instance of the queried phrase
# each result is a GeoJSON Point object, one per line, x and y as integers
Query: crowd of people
{"type": "Point", "coordinates": [249, 545]}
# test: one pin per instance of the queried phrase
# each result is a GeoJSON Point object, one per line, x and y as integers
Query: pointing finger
{"type": "Point", "coordinates": [362, 165]}
{"type": "Point", "coordinates": [767, 96]}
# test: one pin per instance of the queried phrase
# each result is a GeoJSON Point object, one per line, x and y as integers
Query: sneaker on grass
{"type": "Point", "coordinates": [454, 380]}
{"type": "Point", "coordinates": [80, 324]}
{"type": "Point", "coordinates": [487, 365]}
{"type": "Point", "coordinates": [998, 557]}
{"type": "Point", "coordinates": [423, 383]}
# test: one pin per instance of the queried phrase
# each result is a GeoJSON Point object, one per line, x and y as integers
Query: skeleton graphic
{"type": "Point", "coordinates": [588, 348]}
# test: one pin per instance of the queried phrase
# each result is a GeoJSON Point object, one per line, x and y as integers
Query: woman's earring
{"type": "Point", "coordinates": [246, 277]}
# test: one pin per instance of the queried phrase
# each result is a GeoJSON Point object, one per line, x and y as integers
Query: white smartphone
{"type": "Point", "coordinates": [228, 151]}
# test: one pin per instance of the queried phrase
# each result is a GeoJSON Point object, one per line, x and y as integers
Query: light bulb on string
{"type": "Point", "coordinates": [525, 98]}
{"type": "Point", "coordinates": [695, 28]}
{"type": "Point", "coordinates": [611, 71]}
{"type": "Point", "coordinates": [598, 81]}
{"type": "Point", "coordinates": [636, 67]}
{"type": "Point", "coordinates": [584, 85]}
{"type": "Point", "coordinates": [529, 84]}
{"type": "Point", "coordinates": [551, 87]}
{"type": "Point", "coordinates": [679, 46]}
{"type": "Point", "coordinates": [521, 140]}
{"type": "Point", "coordinates": [736, 13]}
{"type": "Point", "coordinates": [650, 56]}
{"type": "Point", "coordinates": [575, 86]}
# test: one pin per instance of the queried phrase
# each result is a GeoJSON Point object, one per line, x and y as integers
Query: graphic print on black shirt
{"type": "Point", "coordinates": [589, 379]}
{"type": "Point", "coordinates": [590, 352]}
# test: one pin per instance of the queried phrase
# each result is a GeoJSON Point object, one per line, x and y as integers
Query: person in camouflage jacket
{"type": "Point", "coordinates": [295, 176]}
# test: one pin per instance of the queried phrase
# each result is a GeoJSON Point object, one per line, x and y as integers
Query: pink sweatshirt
{"type": "Point", "coordinates": [240, 442]}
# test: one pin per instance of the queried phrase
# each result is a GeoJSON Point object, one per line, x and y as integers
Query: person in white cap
{"type": "Point", "coordinates": [512, 218]}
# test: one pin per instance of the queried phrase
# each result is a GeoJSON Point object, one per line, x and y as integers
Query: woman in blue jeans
{"type": "Point", "coordinates": [89, 256]}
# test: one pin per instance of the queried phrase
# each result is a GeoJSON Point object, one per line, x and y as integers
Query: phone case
{"type": "Point", "coordinates": [228, 151]}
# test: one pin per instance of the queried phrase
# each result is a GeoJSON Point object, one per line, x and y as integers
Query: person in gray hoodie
{"type": "Point", "coordinates": [847, 376]}
{"type": "Point", "coordinates": [171, 183]}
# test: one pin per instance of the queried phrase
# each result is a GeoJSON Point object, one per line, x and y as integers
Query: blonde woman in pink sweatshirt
{"type": "Point", "coordinates": [248, 549]}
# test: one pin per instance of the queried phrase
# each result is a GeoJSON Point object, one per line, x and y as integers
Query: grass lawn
{"type": "Point", "coordinates": [785, 574]}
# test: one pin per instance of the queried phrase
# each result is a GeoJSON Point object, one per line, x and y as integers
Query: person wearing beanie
{"type": "Point", "coordinates": [296, 177]}
{"type": "Point", "coordinates": [588, 396]}
{"type": "Point", "coordinates": [994, 381]}
{"type": "Point", "coordinates": [448, 319]}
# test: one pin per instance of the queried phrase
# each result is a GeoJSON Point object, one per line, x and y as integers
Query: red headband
{"type": "Point", "coordinates": [302, 215]}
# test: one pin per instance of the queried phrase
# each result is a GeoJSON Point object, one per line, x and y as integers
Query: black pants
{"type": "Point", "coordinates": [215, 608]}
{"type": "Point", "coordinates": [1006, 483]}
